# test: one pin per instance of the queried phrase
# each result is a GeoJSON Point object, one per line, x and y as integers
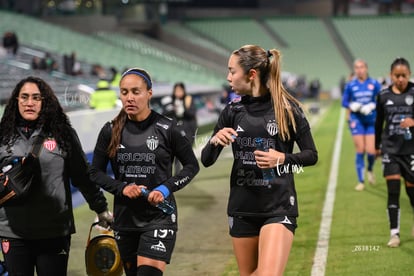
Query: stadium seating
{"type": "Point", "coordinates": [378, 40]}
{"type": "Point", "coordinates": [66, 89]}
{"type": "Point", "coordinates": [48, 37]}
{"type": "Point", "coordinates": [185, 33]}
{"type": "Point", "coordinates": [232, 33]}
{"type": "Point", "coordinates": [165, 63]}
{"type": "Point", "coordinates": [310, 50]}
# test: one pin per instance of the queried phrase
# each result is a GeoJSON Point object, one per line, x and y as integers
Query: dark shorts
{"type": "Point", "coordinates": [250, 226]}
{"type": "Point", "coordinates": [399, 164]}
{"type": "Point", "coordinates": [156, 244]}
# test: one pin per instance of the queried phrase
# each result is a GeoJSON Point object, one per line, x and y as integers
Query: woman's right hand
{"type": "Point", "coordinates": [224, 137]}
{"type": "Point", "coordinates": [132, 190]}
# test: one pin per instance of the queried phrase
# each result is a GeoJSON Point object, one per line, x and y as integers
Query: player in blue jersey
{"type": "Point", "coordinates": [359, 98]}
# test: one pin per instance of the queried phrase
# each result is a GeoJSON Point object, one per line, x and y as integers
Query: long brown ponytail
{"type": "Point", "coordinates": [117, 125]}
{"type": "Point", "coordinates": [268, 64]}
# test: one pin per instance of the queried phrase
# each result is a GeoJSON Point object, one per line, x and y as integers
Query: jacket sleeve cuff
{"type": "Point", "coordinates": [163, 189]}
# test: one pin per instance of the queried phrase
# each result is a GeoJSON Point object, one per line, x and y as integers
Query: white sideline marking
{"type": "Point", "coordinates": [321, 253]}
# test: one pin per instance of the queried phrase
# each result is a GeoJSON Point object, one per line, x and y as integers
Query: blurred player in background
{"type": "Point", "coordinates": [359, 98]}
{"type": "Point", "coordinates": [394, 141]}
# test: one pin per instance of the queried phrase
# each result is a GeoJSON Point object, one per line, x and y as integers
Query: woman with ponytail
{"type": "Point", "coordinates": [141, 144]}
{"type": "Point", "coordinates": [394, 125]}
{"type": "Point", "coordinates": [262, 212]}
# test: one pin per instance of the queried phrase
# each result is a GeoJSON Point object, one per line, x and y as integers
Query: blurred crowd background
{"type": "Point", "coordinates": [75, 44]}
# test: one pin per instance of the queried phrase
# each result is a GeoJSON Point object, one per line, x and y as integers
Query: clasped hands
{"type": "Point", "coordinates": [133, 191]}
{"type": "Point", "coordinates": [364, 109]}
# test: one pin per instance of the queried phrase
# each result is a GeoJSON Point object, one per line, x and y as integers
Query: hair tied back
{"type": "Point", "coordinates": [269, 54]}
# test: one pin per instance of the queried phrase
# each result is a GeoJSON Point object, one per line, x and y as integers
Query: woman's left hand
{"type": "Point", "coordinates": [269, 159]}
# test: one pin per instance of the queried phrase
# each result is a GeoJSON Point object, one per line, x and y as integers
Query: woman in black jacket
{"type": "Point", "coordinates": [182, 109]}
{"type": "Point", "coordinates": [394, 142]}
{"type": "Point", "coordinates": [36, 230]}
{"type": "Point", "coordinates": [140, 145]}
{"type": "Point", "coordinates": [262, 206]}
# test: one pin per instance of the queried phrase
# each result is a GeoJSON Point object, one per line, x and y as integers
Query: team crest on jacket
{"type": "Point", "coordinates": [49, 144]}
{"type": "Point", "coordinates": [292, 200]}
{"type": "Point", "coordinates": [152, 142]}
{"type": "Point", "coordinates": [271, 127]}
{"type": "Point", "coordinates": [409, 99]}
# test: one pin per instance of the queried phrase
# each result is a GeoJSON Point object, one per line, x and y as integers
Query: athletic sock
{"type": "Point", "coordinates": [395, 231]}
{"type": "Point", "coordinates": [360, 166]}
{"type": "Point", "coordinates": [371, 160]}
{"type": "Point", "coordinates": [393, 204]}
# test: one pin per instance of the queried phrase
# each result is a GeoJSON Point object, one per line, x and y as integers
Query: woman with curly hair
{"type": "Point", "coordinates": [36, 231]}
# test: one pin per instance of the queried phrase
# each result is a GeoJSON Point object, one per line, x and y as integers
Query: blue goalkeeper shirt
{"type": "Point", "coordinates": [363, 93]}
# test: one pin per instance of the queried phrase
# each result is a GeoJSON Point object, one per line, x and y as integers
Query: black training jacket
{"type": "Point", "coordinates": [254, 117]}
{"type": "Point", "coordinates": [391, 109]}
{"type": "Point", "coordinates": [47, 210]}
{"type": "Point", "coordinates": [145, 157]}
